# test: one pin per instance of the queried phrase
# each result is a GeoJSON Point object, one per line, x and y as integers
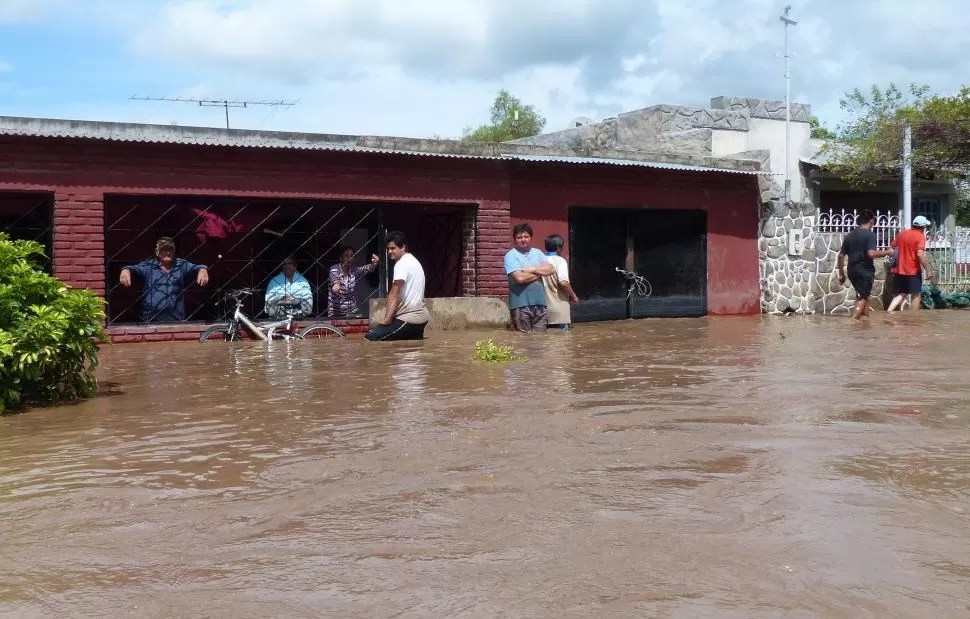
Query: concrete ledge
{"type": "Point", "coordinates": [190, 331]}
{"type": "Point", "coordinates": [456, 313]}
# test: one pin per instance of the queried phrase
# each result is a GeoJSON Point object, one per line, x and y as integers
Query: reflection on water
{"type": "Point", "coordinates": [749, 467]}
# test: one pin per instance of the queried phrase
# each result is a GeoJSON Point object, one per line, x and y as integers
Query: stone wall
{"type": "Point", "coordinates": [787, 280]}
{"type": "Point", "coordinates": [807, 283]}
{"type": "Point", "coordinates": [761, 108]}
{"type": "Point", "coordinates": [831, 297]}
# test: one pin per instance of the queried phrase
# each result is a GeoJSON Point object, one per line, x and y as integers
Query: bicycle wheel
{"type": "Point", "coordinates": [320, 330]}
{"type": "Point", "coordinates": [219, 333]}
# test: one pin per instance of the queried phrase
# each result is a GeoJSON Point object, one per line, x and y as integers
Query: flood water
{"type": "Point", "coordinates": [740, 467]}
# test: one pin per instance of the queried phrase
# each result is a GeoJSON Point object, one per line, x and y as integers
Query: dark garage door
{"type": "Point", "coordinates": [667, 247]}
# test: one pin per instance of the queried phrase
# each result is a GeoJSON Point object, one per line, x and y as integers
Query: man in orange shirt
{"type": "Point", "coordinates": [911, 264]}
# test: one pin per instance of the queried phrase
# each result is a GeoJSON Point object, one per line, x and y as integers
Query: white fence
{"type": "Point", "coordinates": [840, 222]}
{"type": "Point", "coordinates": [947, 250]}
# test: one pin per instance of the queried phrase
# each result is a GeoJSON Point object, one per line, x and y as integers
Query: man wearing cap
{"type": "Point", "coordinates": [164, 278]}
{"type": "Point", "coordinates": [910, 265]}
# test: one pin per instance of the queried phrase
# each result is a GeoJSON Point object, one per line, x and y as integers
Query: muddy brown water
{"type": "Point", "coordinates": [739, 467]}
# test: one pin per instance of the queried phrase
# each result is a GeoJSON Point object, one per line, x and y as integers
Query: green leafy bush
{"type": "Point", "coordinates": [487, 350]}
{"type": "Point", "coordinates": [49, 333]}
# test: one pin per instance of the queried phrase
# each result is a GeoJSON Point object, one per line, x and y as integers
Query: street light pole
{"type": "Point", "coordinates": [907, 214]}
{"type": "Point", "coordinates": [785, 19]}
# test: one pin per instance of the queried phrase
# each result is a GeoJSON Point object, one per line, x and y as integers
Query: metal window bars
{"type": "Point", "coordinates": [239, 260]}
{"type": "Point", "coordinates": [28, 217]}
{"type": "Point", "coordinates": [319, 287]}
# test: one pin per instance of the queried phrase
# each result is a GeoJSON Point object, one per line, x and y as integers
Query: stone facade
{"type": "Point", "coordinates": [808, 282]}
{"type": "Point", "coordinates": [760, 108]}
{"type": "Point", "coordinates": [786, 279]}
{"type": "Point", "coordinates": [830, 296]}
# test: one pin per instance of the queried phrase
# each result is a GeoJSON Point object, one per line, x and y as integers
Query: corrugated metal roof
{"type": "Point", "coordinates": [154, 134]}
{"type": "Point", "coordinates": [628, 162]}
{"type": "Point", "coordinates": [205, 136]}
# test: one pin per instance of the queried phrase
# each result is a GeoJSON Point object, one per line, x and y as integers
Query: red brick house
{"type": "Point", "coordinates": [99, 194]}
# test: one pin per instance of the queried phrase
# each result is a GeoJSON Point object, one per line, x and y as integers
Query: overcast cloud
{"type": "Point", "coordinates": [431, 67]}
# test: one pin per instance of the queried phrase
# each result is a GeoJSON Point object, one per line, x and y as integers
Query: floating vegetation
{"type": "Point", "coordinates": [488, 350]}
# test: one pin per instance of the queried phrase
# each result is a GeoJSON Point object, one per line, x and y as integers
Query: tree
{"type": "Point", "coordinates": [869, 146]}
{"type": "Point", "coordinates": [963, 204]}
{"type": "Point", "coordinates": [511, 120]}
{"type": "Point", "coordinates": [49, 333]}
{"type": "Point", "coordinates": [820, 131]}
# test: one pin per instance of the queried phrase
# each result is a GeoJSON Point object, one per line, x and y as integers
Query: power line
{"type": "Point", "coordinates": [223, 103]}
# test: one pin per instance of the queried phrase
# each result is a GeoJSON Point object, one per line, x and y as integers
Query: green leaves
{"type": "Point", "coordinates": [510, 121]}
{"type": "Point", "coordinates": [869, 146]}
{"type": "Point", "coordinates": [488, 350]}
{"type": "Point", "coordinates": [49, 333]}
{"type": "Point", "coordinates": [820, 131]}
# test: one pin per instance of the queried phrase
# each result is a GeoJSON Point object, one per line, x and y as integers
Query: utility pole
{"type": "Point", "coordinates": [907, 178]}
{"type": "Point", "coordinates": [223, 103]}
{"type": "Point", "coordinates": [785, 19]}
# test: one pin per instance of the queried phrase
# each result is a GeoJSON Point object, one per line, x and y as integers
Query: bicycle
{"type": "Point", "coordinates": [279, 330]}
{"type": "Point", "coordinates": [637, 283]}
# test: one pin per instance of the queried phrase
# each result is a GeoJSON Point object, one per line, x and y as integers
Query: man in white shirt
{"type": "Point", "coordinates": [406, 315]}
{"type": "Point", "coordinates": [559, 292]}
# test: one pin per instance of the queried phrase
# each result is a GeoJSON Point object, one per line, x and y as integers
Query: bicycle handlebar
{"type": "Point", "coordinates": [236, 295]}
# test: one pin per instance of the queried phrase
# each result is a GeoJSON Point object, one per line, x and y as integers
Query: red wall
{"type": "Point", "coordinates": [542, 197]}
{"type": "Point", "coordinates": [80, 172]}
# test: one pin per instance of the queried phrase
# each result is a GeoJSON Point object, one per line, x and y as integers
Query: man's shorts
{"type": "Point", "coordinates": [862, 282]}
{"type": "Point", "coordinates": [909, 284]}
{"type": "Point", "coordinates": [530, 319]}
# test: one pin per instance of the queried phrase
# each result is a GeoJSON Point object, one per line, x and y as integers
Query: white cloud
{"type": "Point", "coordinates": [22, 10]}
{"type": "Point", "coordinates": [426, 67]}
{"type": "Point", "coordinates": [35, 11]}
{"type": "Point", "coordinates": [5, 67]}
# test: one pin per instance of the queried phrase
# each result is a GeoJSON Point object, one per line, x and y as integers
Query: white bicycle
{"type": "Point", "coordinates": [636, 283]}
{"type": "Point", "coordinates": [234, 329]}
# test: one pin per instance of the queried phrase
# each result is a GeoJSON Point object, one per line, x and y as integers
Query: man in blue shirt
{"type": "Point", "coordinates": [525, 266]}
{"type": "Point", "coordinates": [164, 277]}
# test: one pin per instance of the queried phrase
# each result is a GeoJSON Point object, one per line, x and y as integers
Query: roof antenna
{"type": "Point", "coordinates": [223, 103]}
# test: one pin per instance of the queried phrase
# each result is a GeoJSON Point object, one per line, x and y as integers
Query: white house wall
{"type": "Point", "coordinates": [725, 143]}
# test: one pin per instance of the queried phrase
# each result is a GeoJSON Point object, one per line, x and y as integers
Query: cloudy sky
{"type": "Point", "coordinates": [431, 67]}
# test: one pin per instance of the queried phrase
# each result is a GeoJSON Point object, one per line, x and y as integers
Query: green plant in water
{"type": "Point", "coordinates": [49, 333]}
{"type": "Point", "coordinates": [488, 350]}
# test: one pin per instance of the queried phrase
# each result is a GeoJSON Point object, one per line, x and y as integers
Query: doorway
{"type": "Point", "coordinates": [667, 247]}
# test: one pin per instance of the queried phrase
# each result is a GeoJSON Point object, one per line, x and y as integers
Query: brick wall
{"type": "Point", "coordinates": [494, 239]}
{"type": "Point", "coordinates": [79, 240]}
{"type": "Point", "coordinates": [80, 172]}
{"type": "Point", "coordinates": [469, 259]}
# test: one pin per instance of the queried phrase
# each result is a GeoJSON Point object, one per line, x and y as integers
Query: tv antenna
{"type": "Point", "coordinates": [223, 103]}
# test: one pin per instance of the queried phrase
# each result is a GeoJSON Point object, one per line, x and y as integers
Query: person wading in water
{"type": "Point", "coordinates": [859, 247]}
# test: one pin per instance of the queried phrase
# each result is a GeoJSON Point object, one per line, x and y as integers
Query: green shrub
{"type": "Point", "coordinates": [487, 350]}
{"type": "Point", "coordinates": [49, 333]}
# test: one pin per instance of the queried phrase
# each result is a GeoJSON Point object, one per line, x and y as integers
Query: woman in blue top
{"type": "Point", "coordinates": [285, 288]}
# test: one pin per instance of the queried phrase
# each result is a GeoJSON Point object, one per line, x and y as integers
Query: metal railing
{"type": "Point", "coordinates": [949, 254]}
{"type": "Point", "coordinates": [948, 251]}
{"type": "Point", "coordinates": [842, 221]}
